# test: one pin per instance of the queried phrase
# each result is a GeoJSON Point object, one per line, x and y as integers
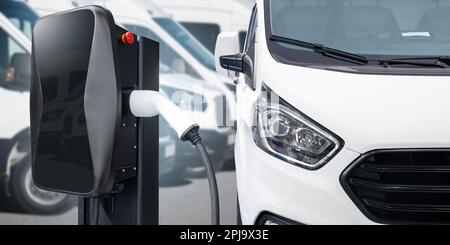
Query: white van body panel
{"type": "Point", "coordinates": [267, 184]}
{"type": "Point", "coordinates": [363, 119]}
{"type": "Point", "coordinates": [15, 105]}
{"type": "Point", "coordinates": [15, 117]}
{"type": "Point", "coordinates": [205, 119]}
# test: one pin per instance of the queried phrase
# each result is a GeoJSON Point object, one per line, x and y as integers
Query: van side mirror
{"type": "Point", "coordinates": [18, 74]}
{"type": "Point", "coordinates": [229, 61]}
{"type": "Point", "coordinates": [75, 101]}
{"type": "Point", "coordinates": [227, 44]}
{"type": "Point", "coordinates": [240, 63]}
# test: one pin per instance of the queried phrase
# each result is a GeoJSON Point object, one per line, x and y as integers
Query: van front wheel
{"type": "Point", "coordinates": [29, 198]}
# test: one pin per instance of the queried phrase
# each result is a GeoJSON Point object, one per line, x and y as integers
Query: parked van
{"type": "Point", "coordinates": [344, 112]}
{"type": "Point", "coordinates": [205, 19]}
{"type": "Point", "coordinates": [199, 100]}
{"type": "Point", "coordinates": [16, 185]}
{"type": "Point", "coordinates": [177, 31]}
{"type": "Point", "coordinates": [185, 54]}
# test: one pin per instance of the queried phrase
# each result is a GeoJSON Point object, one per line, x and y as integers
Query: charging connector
{"type": "Point", "coordinates": [147, 103]}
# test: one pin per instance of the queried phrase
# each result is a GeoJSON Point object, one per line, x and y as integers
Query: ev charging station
{"type": "Point", "coordinates": [94, 107]}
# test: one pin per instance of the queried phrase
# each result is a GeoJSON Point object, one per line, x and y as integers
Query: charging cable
{"type": "Point", "coordinates": [193, 136]}
{"type": "Point", "coordinates": [148, 103]}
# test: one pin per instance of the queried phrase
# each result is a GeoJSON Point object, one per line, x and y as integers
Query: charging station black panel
{"type": "Point", "coordinates": [75, 102]}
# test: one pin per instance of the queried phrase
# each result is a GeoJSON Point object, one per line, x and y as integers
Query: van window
{"type": "Point", "coordinates": [20, 15]}
{"type": "Point", "coordinates": [11, 60]}
{"type": "Point", "coordinates": [206, 33]}
{"type": "Point", "coordinates": [168, 56]}
{"type": "Point", "coordinates": [189, 42]}
{"type": "Point", "coordinates": [366, 27]}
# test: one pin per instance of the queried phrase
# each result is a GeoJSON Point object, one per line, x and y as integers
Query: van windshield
{"type": "Point", "coordinates": [187, 41]}
{"type": "Point", "coordinates": [365, 27]}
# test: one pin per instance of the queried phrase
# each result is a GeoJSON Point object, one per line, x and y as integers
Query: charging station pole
{"type": "Point", "coordinates": [97, 136]}
{"type": "Point", "coordinates": [135, 199]}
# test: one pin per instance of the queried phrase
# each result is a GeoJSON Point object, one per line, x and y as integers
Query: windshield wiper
{"type": "Point", "coordinates": [324, 50]}
{"type": "Point", "coordinates": [428, 61]}
{"type": "Point", "coordinates": [445, 59]}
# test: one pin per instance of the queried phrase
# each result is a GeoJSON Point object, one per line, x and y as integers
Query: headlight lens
{"type": "Point", "coordinates": [286, 133]}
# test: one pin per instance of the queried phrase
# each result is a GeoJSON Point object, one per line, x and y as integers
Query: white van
{"type": "Point", "coordinates": [205, 19]}
{"type": "Point", "coordinates": [344, 112]}
{"type": "Point", "coordinates": [16, 186]}
{"type": "Point", "coordinates": [200, 101]}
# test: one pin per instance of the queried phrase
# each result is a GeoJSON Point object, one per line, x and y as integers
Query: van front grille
{"type": "Point", "coordinates": [401, 186]}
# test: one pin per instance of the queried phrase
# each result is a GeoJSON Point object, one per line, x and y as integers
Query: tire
{"type": "Point", "coordinates": [30, 199]}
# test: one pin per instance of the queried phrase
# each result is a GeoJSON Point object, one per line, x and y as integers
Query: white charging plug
{"type": "Point", "coordinates": [149, 103]}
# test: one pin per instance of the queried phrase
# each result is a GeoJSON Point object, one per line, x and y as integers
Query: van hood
{"type": "Point", "coordinates": [368, 112]}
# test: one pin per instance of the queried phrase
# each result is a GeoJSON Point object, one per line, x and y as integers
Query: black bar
{"type": "Point", "coordinates": [148, 138]}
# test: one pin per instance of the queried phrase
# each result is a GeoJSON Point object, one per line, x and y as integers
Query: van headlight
{"type": "Point", "coordinates": [288, 134]}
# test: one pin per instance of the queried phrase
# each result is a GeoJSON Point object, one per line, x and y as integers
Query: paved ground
{"type": "Point", "coordinates": [183, 202]}
{"type": "Point", "coordinates": [190, 204]}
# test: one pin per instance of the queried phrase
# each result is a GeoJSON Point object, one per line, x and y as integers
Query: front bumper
{"type": "Point", "coordinates": [269, 185]}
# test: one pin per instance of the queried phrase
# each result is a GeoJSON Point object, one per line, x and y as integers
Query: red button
{"type": "Point", "coordinates": [128, 38]}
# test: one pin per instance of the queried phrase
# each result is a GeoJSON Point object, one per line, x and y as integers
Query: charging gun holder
{"type": "Point", "coordinates": [85, 139]}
